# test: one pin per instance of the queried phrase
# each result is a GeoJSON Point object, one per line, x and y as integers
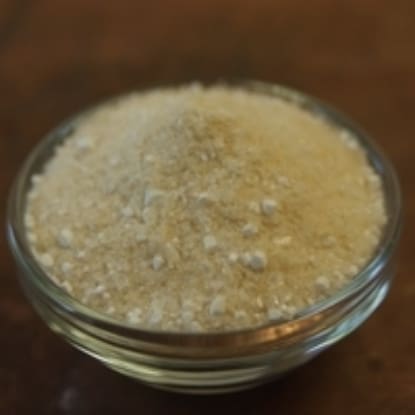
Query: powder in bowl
{"type": "Point", "coordinates": [184, 209]}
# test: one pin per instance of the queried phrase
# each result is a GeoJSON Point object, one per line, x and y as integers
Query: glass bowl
{"type": "Point", "coordinates": [210, 362]}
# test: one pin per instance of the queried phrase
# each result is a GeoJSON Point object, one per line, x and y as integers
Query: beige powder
{"type": "Point", "coordinates": [202, 209]}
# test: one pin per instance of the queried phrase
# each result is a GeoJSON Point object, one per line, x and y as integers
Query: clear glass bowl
{"type": "Point", "coordinates": [212, 362]}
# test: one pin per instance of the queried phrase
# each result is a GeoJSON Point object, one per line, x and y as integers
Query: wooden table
{"type": "Point", "coordinates": [58, 57]}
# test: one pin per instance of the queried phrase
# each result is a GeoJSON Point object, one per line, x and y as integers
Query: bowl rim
{"type": "Point", "coordinates": [267, 331]}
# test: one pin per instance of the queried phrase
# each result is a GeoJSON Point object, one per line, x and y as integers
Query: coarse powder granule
{"type": "Point", "coordinates": [204, 209]}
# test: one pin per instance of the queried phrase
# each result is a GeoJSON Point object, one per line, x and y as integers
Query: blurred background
{"type": "Point", "coordinates": [56, 57]}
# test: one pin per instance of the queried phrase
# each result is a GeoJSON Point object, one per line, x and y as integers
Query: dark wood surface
{"type": "Point", "coordinates": [57, 57]}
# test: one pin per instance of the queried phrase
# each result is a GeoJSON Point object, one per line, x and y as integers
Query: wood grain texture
{"type": "Point", "coordinates": [58, 57]}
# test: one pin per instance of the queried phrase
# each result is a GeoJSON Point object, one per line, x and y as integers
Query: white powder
{"type": "Point", "coordinates": [204, 209]}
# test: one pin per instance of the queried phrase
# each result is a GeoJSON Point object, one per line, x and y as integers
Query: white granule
{"type": "Point", "coordinates": [31, 237]}
{"type": "Point", "coordinates": [151, 196]}
{"type": "Point", "coordinates": [149, 158]}
{"type": "Point", "coordinates": [217, 306]}
{"type": "Point", "coordinates": [157, 262]}
{"type": "Point", "coordinates": [323, 284]}
{"type": "Point", "coordinates": [348, 140]}
{"type": "Point", "coordinates": [283, 181]}
{"type": "Point", "coordinates": [268, 206]}
{"type": "Point", "coordinates": [233, 257]}
{"type": "Point", "coordinates": [134, 316]}
{"type": "Point", "coordinates": [329, 241]}
{"type": "Point", "coordinates": [240, 314]}
{"type": "Point", "coordinates": [127, 212]}
{"type": "Point", "coordinates": [210, 243]}
{"type": "Point", "coordinates": [155, 317]}
{"type": "Point", "coordinates": [46, 260]}
{"type": "Point", "coordinates": [114, 161]}
{"type": "Point", "coordinates": [256, 260]}
{"type": "Point", "coordinates": [259, 302]}
{"type": "Point", "coordinates": [274, 314]}
{"type": "Point", "coordinates": [140, 235]}
{"type": "Point", "coordinates": [29, 221]}
{"type": "Point", "coordinates": [66, 267]}
{"type": "Point", "coordinates": [204, 209]}
{"type": "Point", "coordinates": [249, 230]}
{"type": "Point", "coordinates": [283, 241]}
{"type": "Point", "coordinates": [65, 238]}
{"type": "Point", "coordinates": [187, 316]}
{"type": "Point", "coordinates": [353, 270]}
{"type": "Point", "coordinates": [254, 206]}
{"type": "Point", "coordinates": [80, 254]}
{"type": "Point", "coordinates": [203, 198]}
{"type": "Point", "coordinates": [67, 286]}
{"type": "Point", "coordinates": [36, 179]}
{"type": "Point", "coordinates": [83, 144]}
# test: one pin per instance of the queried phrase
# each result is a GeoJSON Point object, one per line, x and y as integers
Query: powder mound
{"type": "Point", "coordinates": [204, 209]}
